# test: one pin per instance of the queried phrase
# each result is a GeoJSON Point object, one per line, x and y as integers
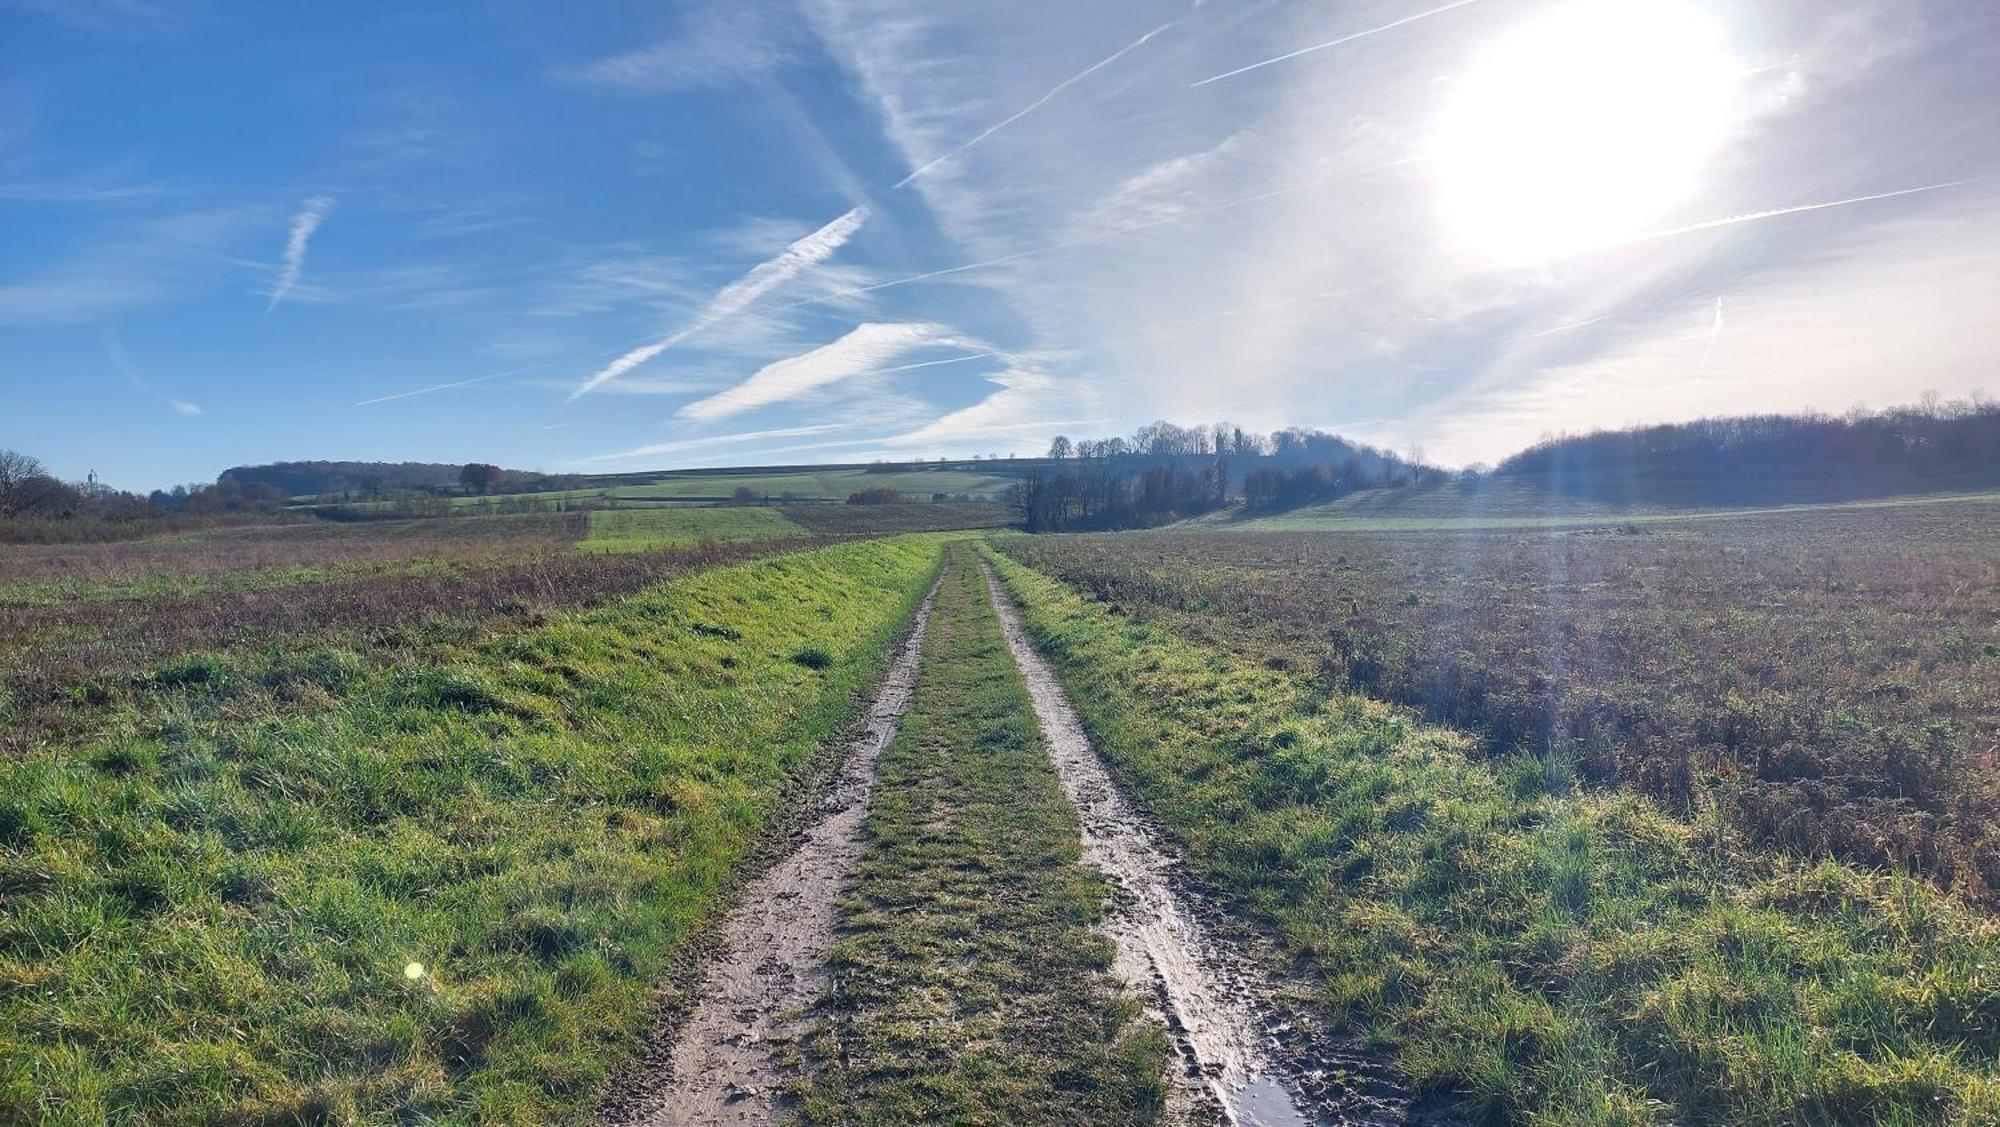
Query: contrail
{"type": "Point", "coordinates": [311, 214]}
{"type": "Point", "coordinates": [1754, 216]}
{"type": "Point", "coordinates": [1714, 334]}
{"type": "Point", "coordinates": [739, 294]}
{"type": "Point", "coordinates": [1038, 103]}
{"type": "Point", "coordinates": [1334, 42]}
{"type": "Point", "coordinates": [1564, 328]}
{"type": "Point", "coordinates": [1085, 240]}
{"type": "Point", "coordinates": [443, 386]}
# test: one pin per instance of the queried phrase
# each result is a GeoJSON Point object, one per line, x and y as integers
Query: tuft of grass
{"type": "Point", "coordinates": [970, 984]}
{"type": "Point", "coordinates": [1540, 955]}
{"type": "Point", "coordinates": [208, 912]}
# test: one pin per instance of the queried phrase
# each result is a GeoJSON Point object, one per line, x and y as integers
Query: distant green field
{"type": "Point", "coordinates": [630, 530]}
{"type": "Point", "coordinates": [1456, 508]}
{"type": "Point", "coordinates": [827, 485]}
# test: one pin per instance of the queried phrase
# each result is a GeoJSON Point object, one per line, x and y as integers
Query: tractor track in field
{"type": "Point", "coordinates": [1242, 1056]}
{"type": "Point", "coordinates": [769, 964]}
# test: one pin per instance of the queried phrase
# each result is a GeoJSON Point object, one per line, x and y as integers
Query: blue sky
{"type": "Point", "coordinates": [618, 236]}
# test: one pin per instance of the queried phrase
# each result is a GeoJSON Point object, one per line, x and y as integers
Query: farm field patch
{"type": "Point", "coordinates": [631, 530]}
{"type": "Point", "coordinates": [926, 516]}
{"type": "Point", "coordinates": [1501, 505]}
{"type": "Point", "coordinates": [1826, 682]}
{"type": "Point", "coordinates": [823, 485]}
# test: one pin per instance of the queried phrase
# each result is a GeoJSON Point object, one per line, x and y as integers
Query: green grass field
{"type": "Point", "coordinates": [969, 981]}
{"type": "Point", "coordinates": [824, 485]}
{"type": "Point", "coordinates": [439, 890]}
{"type": "Point", "coordinates": [1542, 953]}
{"type": "Point", "coordinates": [630, 530]}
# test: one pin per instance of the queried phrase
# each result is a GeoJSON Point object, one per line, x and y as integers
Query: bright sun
{"type": "Point", "coordinates": [1582, 126]}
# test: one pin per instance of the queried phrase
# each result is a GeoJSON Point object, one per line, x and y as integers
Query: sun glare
{"type": "Point", "coordinates": [1581, 126]}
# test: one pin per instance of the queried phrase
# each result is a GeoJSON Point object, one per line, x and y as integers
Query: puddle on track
{"type": "Point", "coordinates": [770, 966]}
{"type": "Point", "coordinates": [1239, 1057]}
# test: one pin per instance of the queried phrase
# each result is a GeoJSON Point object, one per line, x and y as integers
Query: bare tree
{"type": "Point", "coordinates": [16, 471]}
{"type": "Point", "coordinates": [1060, 447]}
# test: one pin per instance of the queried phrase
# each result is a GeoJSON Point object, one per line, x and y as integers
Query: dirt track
{"type": "Point", "coordinates": [1239, 1055]}
{"type": "Point", "coordinates": [770, 965]}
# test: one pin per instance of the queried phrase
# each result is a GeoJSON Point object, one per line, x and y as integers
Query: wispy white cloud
{"type": "Point", "coordinates": [136, 265]}
{"type": "Point", "coordinates": [1017, 410]}
{"type": "Point", "coordinates": [78, 192]}
{"type": "Point", "coordinates": [863, 350]}
{"type": "Point", "coordinates": [310, 215]}
{"type": "Point", "coordinates": [738, 295]}
{"type": "Point", "coordinates": [1044, 100]}
{"type": "Point", "coordinates": [121, 362]}
{"type": "Point", "coordinates": [1882, 318]}
{"type": "Point", "coordinates": [718, 42]}
{"type": "Point", "coordinates": [685, 445]}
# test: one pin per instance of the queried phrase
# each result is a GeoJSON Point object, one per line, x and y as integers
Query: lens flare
{"type": "Point", "coordinates": [1582, 126]}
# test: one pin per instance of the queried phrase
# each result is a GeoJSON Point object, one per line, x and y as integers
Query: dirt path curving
{"type": "Point", "coordinates": [770, 963]}
{"type": "Point", "coordinates": [1239, 1054]}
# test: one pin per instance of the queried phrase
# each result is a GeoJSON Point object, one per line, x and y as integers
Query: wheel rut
{"type": "Point", "coordinates": [770, 965]}
{"type": "Point", "coordinates": [1241, 1056]}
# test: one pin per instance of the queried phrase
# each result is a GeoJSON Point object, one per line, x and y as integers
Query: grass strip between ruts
{"type": "Point", "coordinates": [970, 983]}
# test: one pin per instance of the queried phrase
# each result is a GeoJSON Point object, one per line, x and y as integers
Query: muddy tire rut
{"type": "Point", "coordinates": [770, 962]}
{"type": "Point", "coordinates": [1243, 1058]}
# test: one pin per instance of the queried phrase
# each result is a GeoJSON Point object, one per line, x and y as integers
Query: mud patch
{"type": "Point", "coordinates": [1242, 1055]}
{"type": "Point", "coordinates": [769, 964]}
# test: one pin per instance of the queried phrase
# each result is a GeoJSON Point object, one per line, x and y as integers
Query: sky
{"type": "Point", "coordinates": [607, 237]}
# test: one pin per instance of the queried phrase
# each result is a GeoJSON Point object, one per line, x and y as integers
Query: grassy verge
{"type": "Point", "coordinates": [970, 986]}
{"type": "Point", "coordinates": [632, 530]}
{"type": "Point", "coordinates": [447, 896]}
{"type": "Point", "coordinates": [1546, 955]}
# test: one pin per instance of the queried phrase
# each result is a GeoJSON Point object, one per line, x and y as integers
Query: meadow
{"type": "Point", "coordinates": [288, 882]}
{"type": "Point", "coordinates": [1827, 681]}
{"type": "Point", "coordinates": [630, 530]}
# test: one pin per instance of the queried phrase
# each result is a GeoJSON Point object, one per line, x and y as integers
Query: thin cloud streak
{"type": "Point", "coordinates": [739, 294]}
{"type": "Point", "coordinates": [717, 440]}
{"type": "Point", "coordinates": [1333, 42]}
{"type": "Point", "coordinates": [311, 214]}
{"type": "Point", "coordinates": [1775, 213]}
{"type": "Point", "coordinates": [1044, 100]}
{"type": "Point", "coordinates": [1564, 328]}
{"type": "Point", "coordinates": [1714, 335]}
{"type": "Point", "coordinates": [443, 386]}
